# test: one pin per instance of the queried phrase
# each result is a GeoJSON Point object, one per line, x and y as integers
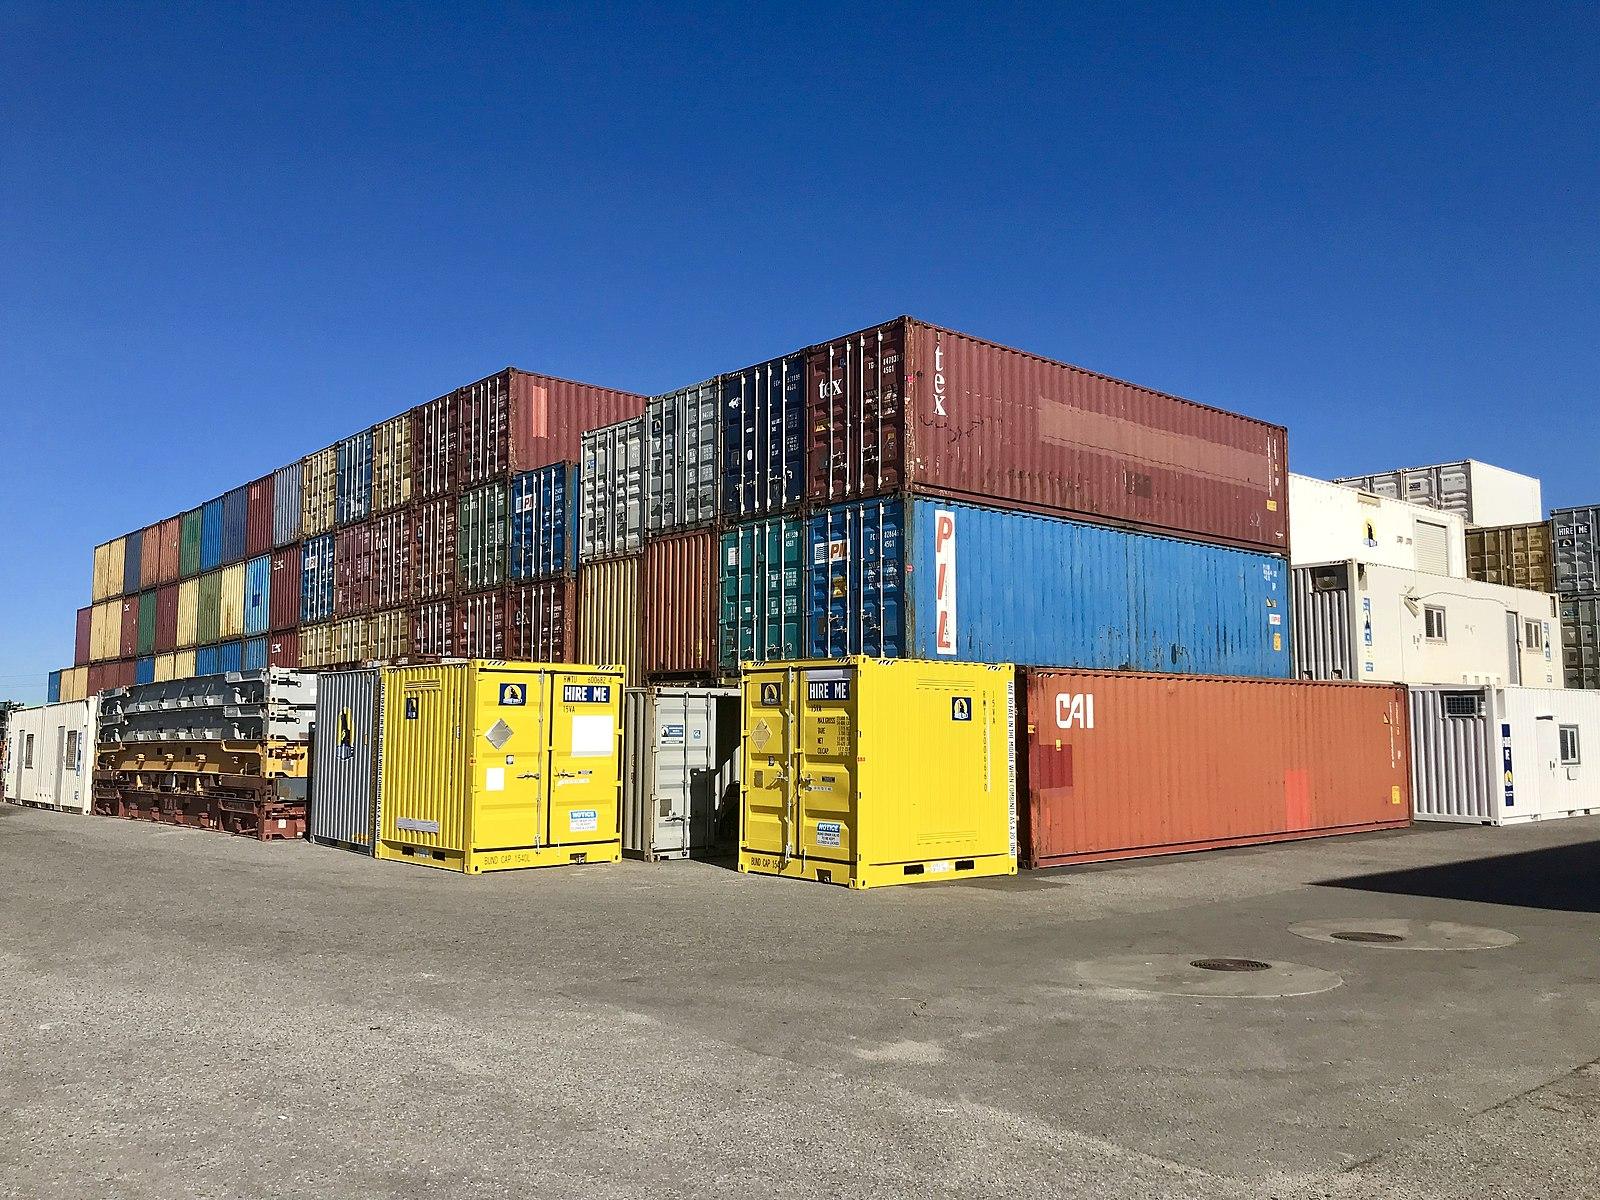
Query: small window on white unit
{"type": "Point", "coordinates": [1569, 746]}
{"type": "Point", "coordinates": [1433, 622]}
{"type": "Point", "coordinates": [1532, 637]}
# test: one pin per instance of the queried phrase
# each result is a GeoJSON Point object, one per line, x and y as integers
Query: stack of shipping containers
{"type": "Point", "coordinates": [1575, 569]}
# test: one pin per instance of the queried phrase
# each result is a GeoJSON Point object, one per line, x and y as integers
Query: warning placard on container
{"type": "Point", "coordinates": [583, 820]}
{"type": "Point", "coordinates": [828, 833]}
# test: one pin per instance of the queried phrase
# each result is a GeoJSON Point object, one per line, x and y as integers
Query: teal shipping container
{"type": "Point", "coordinates": [761, 602]}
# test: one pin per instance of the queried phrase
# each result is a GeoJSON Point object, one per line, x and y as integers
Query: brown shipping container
{"type": "Point", "coordinates": [97, 678]}
{"type": "Point", "coordinates": [166, 619]}
{"type": "Point", "coordinates": [82, 643]}
{"type": "Point", "coordinates": [169, 544]}
{"type": "Point", "coordinates": [543, 620]}
{"type": "Point", "coordinates": [150, 556]}
{"type": "Point", "coordinates": [1512, 555]}
{"type": "Point", "coordinates": [679, 605]}
{"type": "Point", "coordinates": [910, 406]}
{"type": "Point", "coordinates": [435, 446]}
{"type": "Point", "coordinates": [120, 674]}
{"type": "Point", "coordinates": [258, 518]}
{"type": "Point", "coordinates": [283, 649]}
{"type": "Point", "coordinates": [128, 642]}
{"type": "Point", "coordinates": [393, 553]}
{"type": "Point", "coordinates": [433, 525]}
{"type": "Point", "coordinates": [283, 593]}
{"type": "Point", "coordinates": [352, 570]}
{"type": "Point", "coordinates": [515, 421]}
{"type": "Point", "coordinates": [434, 629]}
{"type": "Point", "coordinates": [1120, 765]}
{"type": "Point", "coordinates": [481, 625]}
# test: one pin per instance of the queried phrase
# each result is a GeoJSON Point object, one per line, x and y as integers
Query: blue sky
{"type": "Point", "coordinates": [230, 236]}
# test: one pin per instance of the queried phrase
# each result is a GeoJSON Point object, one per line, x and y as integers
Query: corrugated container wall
{"type": "Point", "coordinates": [543, 620]}
{"type": "Point", "coordinates": [183, 665]}
{"type": "Point", "coordinates": [132, 551]}
{"type": "Point", "coordinates": [1483, 494]}
{"type": "Point", "coordinates": [83, 638]}
{"type": "Point", "coordinates": [1511, 555]}
{"type": "Point", "coordinates": [163, 668]}
{"type": "Point", "coordinates": [75, 684]}
{"type": "Point", "coordinates": [208, 660]}
{"type": "Point", "coordinates": [761, 609]}
{"type": "Point", "coordinates": [319, 491]}
{"type": "Point", "coordinates": [190, 530]}
{"type": "Point", "coordinates": [611, 504]}
{"type": "Point", "coordinates": [230, 602]}
{"type": "Point", "coordinates": [483, 537]}
{"type": "Point", "coordinates": [259, 517]}
{"type": "Point", "coordinates": [287, 484]}
{"type": "Point", "coordinates": [544, 513]}
{"type": "Point", "coordinates": [608, 614]}
{"type": "Point", "coordinates": [211, 534]}
{"type": "Point", "coordinates": [352, 570]}
{"type": "Point", "coordinates": [353, 490]}
{"type": "Point", "coordinates": [144, 670]}
{"type": "Point", "coordinates": [150, 556]}
{"type": "Point", "coordinates": [683, 433]}
{"type": "Point", "coordinates": [344, 760]}
{"type": "Point", "coordinates": [393, 560]}
{"type": "Point", "coordinates": [283, 591]}
{"type": "Point", "coordinates": [283, 649]}
{"type": "Point", "coordinates": [678, 605]}
{"type": "Point", "coordinates": [391, 464]}
{"type": "Point", "coordinates": [434, 629]}
{"type": "Point", "coordinates": [316, 579]}
{"type": "Point", "coordinates": [515, 421]}
{"type": "Point", "coordinates": [255, 654]}
{"type": "Point", "coordinates": [316, 646]}
{"type": "Point", "coordinates": [167, 618]}
{"type": "Point", "coordinates": [434, 527]}
{"type": "Point", "coordinates": [147, 623]}
{"type": "Point", "coordinates": [389, 634]}
{"type": "Point", "coordinates": [908, 405]}
{"type": "Point", "coordinates": [763, 438]}
{"type": "Point", "coordinates": [1576, 550]}
{"type": "Point", "coordinates": [1580, 641]}
{"type": "Point", "coordinates": [258, 595]}
{"type": "Point", "coordinates": [108, 564]}
{"type": "Point", "coordinates": [52, 688]}
{"type": "Point", "coordinates": [169, 554]}
{"type": "Point", "coordinates": [128, 627]}
{"type": "Point", "coordinates": [988, 585]}
{"type": "Point", "coordinates": [105, 630]}
{"type": "Point", "coordinates": [188, 613]}
{"type": "Point", "coordinates": [1121, 765]}
{"type": "Point", "coordinates": [481, 625]}
{"type": "Point", "coordinates": [435, 446]}
{"type": "Point", "coordinates": [235, 524]}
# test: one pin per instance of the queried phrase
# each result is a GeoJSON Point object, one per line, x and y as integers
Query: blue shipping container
{"type": "Point", "coordinates": [255, 654]}
{"type": "Point", "coordinates": [230, 656]}
{"type": "Point", "coordinates": [132, 556]}
{"type": "Point", "coordinates": [207, 660]}
{"type": "Point", "coordinates": [144, 670]}
{"type": "Point", "coordinates": [931, 579]}
{"type": "Point", "coordinates": [52, 691]}
{"type": "Point", "coordinates": [211, 534]}
{"type": "Point", "coordinates": [544, 514]}
{"type": "Point", "coordinates": [316, 579]}
{"type": "Point", "coordinates": [235, 509]}
{"type": "Point", "coordinates": [763, 437]}
{"type": "Point", "coordinates": [258, 594]}
{"type": "Point", "coordinates": [286, 484]}
{"type": "Point", "coordinates": [353, 490]}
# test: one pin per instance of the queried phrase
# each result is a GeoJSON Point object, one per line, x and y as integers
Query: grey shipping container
{"type": "Point", "coordinates": [353, 491]}
{"type": "Point", "coordinates": [1580, 640]}
{"type": "Point", "coordinates": [286, 504]}
{"type": "Point", "coordinates": [1322, 632]}
{"type": "Point", "coordinates": [344, 805]}
{"type": "Point", "coordinates": [680, 773]}
{"type": "Point", "coordinates": [1576, 549]}
{"type": "Point", "coordinates": [681, 480]}
{"type": "Point", "coordinates": [611, 504]}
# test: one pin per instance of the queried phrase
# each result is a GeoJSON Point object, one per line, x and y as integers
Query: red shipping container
{"type": "Point", "coordinates": [543, 620]}
{"type": "Point", "coordinates": [910, 406]}
{"type": "Point", "coordinates": [283, 595]}
{"type": "Point", "coordinates": [283, 649]}
{"type": "Point", "coordinates": [80, 644]}
{"type": "Point", "coordinates": [678, 599]}
{"type": "Point", "coordinates": [481, 625]}
{"type": "Point", "coordinates": [169, 546]}
{"type": "Point", "coordinates": [394, 576]}
{"type": "Point", "coordinates": [118, 673]}
{"type": "Point", "coordinates": [128, 644]}
{"type": "Point", "coordinates": [1121, 765]}
{"type": "Point", "coordinates": [258, 518]}
{"type": "Point", "coordinates": [352, 570]}
{"type": "Point", "coordinates": [97, 678]}
{"type": "Point", "coordinates": [150, 556]}
{"type": "Point", "coordinates": [516, 421]}
{"type": "Point", "coordinates": [166, 619]}
{"type": "Point", "coordinates": [433, 525]}
{"type": "Point", "coordinates": [434, 628]}
{"type": "Point", "coordinates": [435, 447]}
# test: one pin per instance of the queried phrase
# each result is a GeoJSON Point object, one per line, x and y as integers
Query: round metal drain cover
{"type": "Point", "coordinates": [1222, 978]}
{"type": "Point", "coordinates": [1403, 933]}
{"type": "Point", "coordinates": [1370, 936]}
{"type": "Point", "coordinates": [1231, 964]}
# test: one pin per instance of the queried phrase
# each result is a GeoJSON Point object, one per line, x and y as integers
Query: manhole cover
{"type": "Point", "coordinates": [1404, 933]}
{"type": "Point", "coordinates": [1222, 978]}
{"type": "Point", "coordinates": [1230, 964]}
{"type": "Point", "coordinates": [1366, 935]}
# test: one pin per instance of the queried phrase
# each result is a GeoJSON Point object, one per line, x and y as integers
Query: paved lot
{"type": "Point", "coordinates": [185, 1014]}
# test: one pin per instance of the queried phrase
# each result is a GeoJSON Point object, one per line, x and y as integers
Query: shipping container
{"type": "Point", "coordinates": [208, 609]}
{"type": "Point", "coordinates": [449, 797]}
{"type": "Point", "coordinates": [1122, 765]}
{"type": "Point", "coordinates": [679, 605]}
{"type": "Point", "coordinates": [316, 646]}
{"type": "Point", "coordinates": [1501, 756]}
{"type": "Point", "coordinates": [910, 406]}
{"type": "Point", "coordinates": [1329, 522]}
{"type": "Point", "coordinates": [188, 613]}
{"type": "Point", "coordinates": [259, 517]}
{"type": "Point", "coordinates": [435, 447]}
{"type": "Point", "coordinates": [146, 635]}
{"type": "Point", "coordinates": [1378, 624]}
{"type": "Point", "coordinates": [514, 421]}
{"type": "Point", "coordinates": [1512, 556]}
{"type": "Point", "coordinates": [50, 755]}
{"type": "Point", "coordinates": [128, 627]}
{"type": "Point", "coordinates": [389, 634]}
{"type": "Point", "coordinates": [98, 673]}
{"type": "Point", "coordinates": [868, 772]}
{"type": "Point", "coordinates": [683, 433]}
{"type": "Point", "coordinates": [608, 614]}
{"type": "Point", "coordinates": [230, 603]}
{"type": "Point", "coordinates": [191, 527]}
{"type": "Point", "coordinates": [543, 620]}
{"type": "Point", "coordinates": [74, 684]}
{"type": "Point", "coordinates": [351, 642]}
{"type": "Point", "coordinates": [287, 500]}
{"type": "Point", "coordinates": [283, 590]}
{"type": "Point", "coordinates": [316, 579]}
{"type": "Point", "coordinates": [235, 524]}
{"type": "Point", "coordinates": [258, 595]}
{"type": "Point", "coordinates": [208, 660]}
{"type": "Point", "coordinates": [255, 654]}
{"type": "Point", "coordinates": [989, 585]}
{"type": "Point", "coordinates": [319, 492]}
{"type": "Point", "coordinates": [164, 668]}
{"type": "Point", "coordinates": [343, 804]}
{"type": "Point", "coordinates": [1483, 494]}
{"type": "Point", "coordinates": [150, 556]}
{"type": "Point", "coordinates": [105, 631]}
{"type": "Point", "coordinates": [433, 629]}
{"type": "Point", "coordinates": [283, 649]}
{"type": "Point", "coordinates": [169, 550]}
{"type": "Point", "coordinates": [353, 489]}
{"type": "Point", "coordinates": [481, 625]}
{"type": "Point", "coordinates": [211, 534]}
{"type": "Point", "coordinates": [483, 537]}
{"type": "Point", "coordinates": [544, 514]}
{"type": "Point", "coordinates": [231, 656]}
{"type": "Point", "coordinates": [394, 575]}
{"type": "Point", "coordinates": [761, 614]}
{"type": "Point", "coordinates": [391, 464]}
{"type": "Point", "coordinates": [352, 570]}
{"type": "Point", "coordinates": [52, 688]}
{"type": "Point", "coordinates": [433, 525]}
{"type": "Point", "coordinates": [1575, 550]}
{"type": "Point", "coordinates": [183, 664]}
{"type": "Point", "coordinates": [109, 561]}
{"type": "Point", "coordinates": [83, 638]}
{"type": "Point", "coordinates": [763, 438]}
{"type": "Point", "coordinates": [144, 670]}
{"type": "Point", "coordinates": [611, 492]}
{"type": "Point", "coordinates": [680, 771]}
{"type": "Point", "coordinates": [166, 639]}
{"type": "Point", "coordinates": [132, 557]}
{"type": "Point", "coordinates": [1580, 640]}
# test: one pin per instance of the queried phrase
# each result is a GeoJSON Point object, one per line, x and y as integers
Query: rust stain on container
{"type": "Point", "coordinates": [679, 605]}
{"type": "Point", "coordinates": [517, 421]}
{"type": "Point", "coordinates": [1121, 765]}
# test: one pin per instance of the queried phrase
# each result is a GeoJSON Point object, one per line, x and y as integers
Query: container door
{"type": "Point", "coordinates": [509, 742]}
{"type": "Point", "coordinates": [583, 763]}
{"type": "Point", "coordinates": [1513, 650]}
{"type": "Point", "coordinates": [1547, 743]}
{"type": "Point", "coordinates": [769, 815]}
{"type": "Point", "coordinates": [828, 823]}
{"type": "Point", "coordinates": [678, 750]}
{"type": "Point", "coordinates": [63, 763]}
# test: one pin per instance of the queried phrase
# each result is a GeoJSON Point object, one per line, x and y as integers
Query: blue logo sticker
{"type": "Point", "coordinates": [961, 708]}
{"type": "Point", "coordinates": [513, 695]}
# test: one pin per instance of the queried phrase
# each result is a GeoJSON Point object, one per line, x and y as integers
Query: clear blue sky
{"type": "Point", "coordinates": [229, 237]}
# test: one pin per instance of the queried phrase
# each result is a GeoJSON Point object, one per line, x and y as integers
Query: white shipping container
{"type": "Point", "coordinates": [1481, 493]}
{"type": "Point", "coordinates": [1378, 624]}
{"type": "Point", "coordinates": [50, 755]}
{"type": "Point", "coordinates": [1499, 756]}
{"type": "Point", "coordinates": [1331, 522]}
{"type": "Point", "coordinates": [680, 774]}
{"type": "Point", "coordinates": [611, 491]}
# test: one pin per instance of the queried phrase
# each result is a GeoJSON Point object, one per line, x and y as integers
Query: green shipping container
{"type": "Point", "coordinates": [189, 544]}
{"type": "Point", "coordinates": [147, 623]}
{"type": "Point", "coordinates": [208, 617]}
{"type": "Point", "coordinates": [762, 608]}
{"type": "Point", "coordinates": [483, 537]}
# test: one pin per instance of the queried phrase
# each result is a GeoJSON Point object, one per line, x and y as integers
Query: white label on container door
{"type": "Point", "coordinates": [939, 867]}
{"type": "Point", "coordinates": [583, 820]}
{"type": "Point", "coordinates": [944, 581]}
{"type": "Point", "coordinates": [494, 779]}
{"type": "Point", "coordinates": [593, 736]}
{"type": "Point", "coordinates": [828, 833]}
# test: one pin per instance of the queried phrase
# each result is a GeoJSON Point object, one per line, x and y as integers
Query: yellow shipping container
{"type": "Point", "coordinates": [188, 613]}
{"type": "Point", "coordinates": [75, 683]}
{"type": "Point", "coordinates": [105, 631]}
{"type": "Point", "coordinates": [608, 614]}
{"type": "Point", "coordinates": [870, 772]}
{"type": "Point", "coordinates": [164, 667]}
{"type": "Point", "coordinates": [391, 464]}
{"type": "Point", "coordinates": [108, 567]}
{"type": "Point", "coordinates": [319, 481]}
{"type": "Point", "coordinates": [534, 783]}
{"type": "Point", "coordinates": [230, 614]}
{"type": "Point", "coordinates": [183, 664]}
{"type": "Point", "coordinates": [316, 645]}
{"type": "Point", "coordinates": [389, 634]}
{"type": "Point", "coordinates": [349, 641]}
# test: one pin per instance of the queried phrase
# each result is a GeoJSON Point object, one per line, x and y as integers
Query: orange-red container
{"type": "Point", "coordinates": [678, 599]}
{"type": "Point", "coordinates": [1121, 765]}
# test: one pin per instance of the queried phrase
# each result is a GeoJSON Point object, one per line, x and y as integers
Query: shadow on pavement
{"type": "Point", "coordinates": [1563, 878]}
